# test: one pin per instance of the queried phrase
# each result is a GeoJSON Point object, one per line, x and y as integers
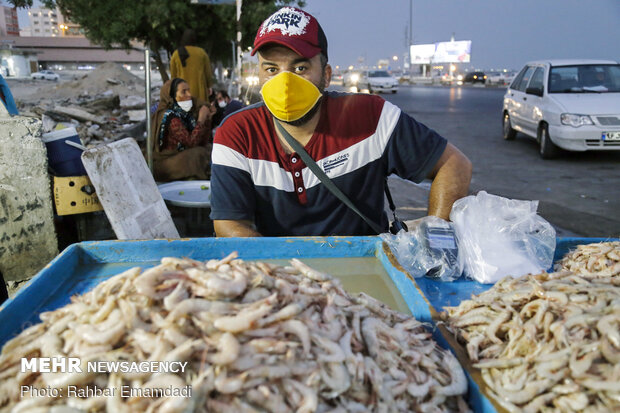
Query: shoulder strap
{"type": "Point", "coordinates": [316, 170]}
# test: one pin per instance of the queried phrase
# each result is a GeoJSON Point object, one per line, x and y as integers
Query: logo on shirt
{"type": "Point", "coordinates": [289, 21]}
{"type": "Point", "coordinates": [330, 164]}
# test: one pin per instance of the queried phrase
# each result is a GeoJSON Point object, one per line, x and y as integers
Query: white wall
{"type": "Point", "coordinates": [19, 65]}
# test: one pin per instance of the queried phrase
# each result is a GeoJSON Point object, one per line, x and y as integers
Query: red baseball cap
{"type": "Point", "coordinates": [293, 28]}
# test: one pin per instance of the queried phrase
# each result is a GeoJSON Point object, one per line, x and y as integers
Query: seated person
{"type": "Point", "coordinates": [181, 129]}
{"type": "Point", "coordinates": [226, 106]}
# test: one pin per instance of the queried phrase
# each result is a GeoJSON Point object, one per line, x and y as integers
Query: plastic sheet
{"type": "Point", "coordinates": [500, 237]}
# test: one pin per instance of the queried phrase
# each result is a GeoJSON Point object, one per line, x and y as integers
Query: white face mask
{"type": "Point", "coordinates": [186, 105]}
{"type": "Point", "coordinates": [222, 103]}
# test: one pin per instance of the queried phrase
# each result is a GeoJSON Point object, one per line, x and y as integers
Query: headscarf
{"type": "Point", "coordinates": [188, 39]}
{"type": "Point", "coordinates": [168, 109]}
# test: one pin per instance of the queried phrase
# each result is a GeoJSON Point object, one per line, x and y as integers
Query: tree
{"type": "Point", "coordinates": [159, 24]}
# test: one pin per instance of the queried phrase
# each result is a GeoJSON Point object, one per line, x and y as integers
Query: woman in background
{"type": "Point", "coordinates": [181, 129]}
{"type": "Point", "coordinates": [192, 64]}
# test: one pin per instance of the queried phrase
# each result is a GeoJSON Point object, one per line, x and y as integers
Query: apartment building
{"type": "Point", "coordinates": [9, 25]}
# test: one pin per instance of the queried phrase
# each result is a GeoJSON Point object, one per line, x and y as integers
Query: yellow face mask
{"type": "Point", "coordinates": [289, 96]}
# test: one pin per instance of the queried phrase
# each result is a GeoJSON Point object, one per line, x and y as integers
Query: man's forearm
{"type": "Point", "coordinates": [451, 182]}
{"type": "Point", "coordinates": [227, 228]}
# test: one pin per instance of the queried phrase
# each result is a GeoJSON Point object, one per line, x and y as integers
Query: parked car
{"type": "Point", "coordinates": [44, 74]}
{"type": "Point", "coordinates": [567, 104]}
{"type": "Point", "coordinates": [378, 81]}
{"type": "Point", "coordinates": [475, 77]}
{"type": "Point", "coordinates": [351, 77]}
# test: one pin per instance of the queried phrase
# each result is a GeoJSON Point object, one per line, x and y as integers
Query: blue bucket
{"type": "Point", "coordinates": [64, 159]}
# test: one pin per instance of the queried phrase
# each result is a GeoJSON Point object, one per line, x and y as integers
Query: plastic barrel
{"type": "Point", "coordinates": [64, 159]}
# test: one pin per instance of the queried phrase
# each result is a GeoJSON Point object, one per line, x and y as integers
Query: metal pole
{"type": "Point", "coordinates": [147, 83]}
{"type": "Point", "coordinates": [233, 75]}
{"type": "Point", "coordinates": [410, 35]}
{"type": "Point", "coordinates": [238, 69]}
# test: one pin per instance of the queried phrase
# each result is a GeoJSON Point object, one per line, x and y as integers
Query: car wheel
{"type": "Point", "coordinates": [509, 133]}
{"type": "Point", "coordinates": [548, 150]}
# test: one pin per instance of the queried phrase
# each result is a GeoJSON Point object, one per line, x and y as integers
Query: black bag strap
{"type": "Point", "coordinates": [316, 170]}
{"type": "Point", "coordinates": [388, 194]}
{"type": "Point", "coordinates": [397, 224]}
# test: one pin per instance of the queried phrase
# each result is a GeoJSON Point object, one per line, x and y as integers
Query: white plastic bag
{"type": "Point", "coordinates": [500, 236]}
{"type": "Point", "coordinates": [429, 249]}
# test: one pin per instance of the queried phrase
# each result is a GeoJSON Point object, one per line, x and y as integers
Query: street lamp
{"type": "Point", "coordinates": [395, 58]}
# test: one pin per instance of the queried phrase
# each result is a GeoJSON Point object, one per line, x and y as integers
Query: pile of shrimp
{"type": "Point", "coordinates": [593, 260]}
{"type": "Point", "coordinates": [257, 337]}
{"type": "Point", "coordinates": [546, 342]}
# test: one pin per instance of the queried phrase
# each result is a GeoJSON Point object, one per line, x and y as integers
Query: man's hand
{"type": "Point", "coordinates": [229, 228]}
{"type": "Point", "coordinates": [451, 177]}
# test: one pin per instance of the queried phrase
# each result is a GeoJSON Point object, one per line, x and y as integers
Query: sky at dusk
{"type": "Point", "coordinates": [504, 33]}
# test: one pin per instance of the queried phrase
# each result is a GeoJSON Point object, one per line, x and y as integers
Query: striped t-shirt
{"type": "Point", "coordinates": [359, 140]}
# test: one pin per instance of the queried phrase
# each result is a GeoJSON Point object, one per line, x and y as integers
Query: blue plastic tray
{"type": "Point", "coordinates": [82, 266]}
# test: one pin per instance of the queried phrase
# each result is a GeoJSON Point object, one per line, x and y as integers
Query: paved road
{"type": "Point", "coordinates": [579, 193]}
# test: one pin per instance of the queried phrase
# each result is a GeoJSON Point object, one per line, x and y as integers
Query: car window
{"type": "Point", "coordinates": [585, 79]}
{"type": "Point", "coordinates": [525, 79]}
{"type": "Point", "coordinates": [537, 78]}
{"type": "Point", "coordinates": [518, 78]}
{"type": "Point", "coordinates": [378, 74]}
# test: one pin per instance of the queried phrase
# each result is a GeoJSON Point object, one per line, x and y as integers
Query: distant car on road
{"type": "Point", "coordinates": [568, 104]}
{"type": "Point", "coordinates": [337, 78]}
{"type": "Point", "coordinates": [44, 74]}
{"type": "Point", "coordinates": [351, 77]}
{"type": "Point", "coordinates": [379, 81]}
{"type": "Point", "coordinates": [451, 79]}
{"type": "Point", "coordinates": [497, 78]}
{"type": "Point", "coordinates": [475, 77]}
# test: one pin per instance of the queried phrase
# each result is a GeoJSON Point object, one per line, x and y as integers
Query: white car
{"type": "Point", "coordinates": [44, 74]}
{"type": "Point", "coordinates": [497, 78]}
{"type": "Point", "coordinates": [378, 81]}
{"type": "Point", "coordinates": [351, 78]}
{"type": "Point", "coordinates": [568, 104]}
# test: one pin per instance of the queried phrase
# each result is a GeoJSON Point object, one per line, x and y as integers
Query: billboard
{"type": "Point", "coordinates": [453, 52]}
{"type": "Point", "coordinates": [443, 52]}
{"type": "Point", "coordinates": [421, 53]}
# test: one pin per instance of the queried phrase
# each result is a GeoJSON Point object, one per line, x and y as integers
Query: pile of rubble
{"type": "Point", "coordinates": [105, 105]}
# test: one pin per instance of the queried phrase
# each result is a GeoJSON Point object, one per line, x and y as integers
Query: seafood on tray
{"type": "Point", "coordinates": [253, 337]}
{"type": "Point", "coordinates": [548, 342]}
{"type": "Point", "coordinates": [593, 260]}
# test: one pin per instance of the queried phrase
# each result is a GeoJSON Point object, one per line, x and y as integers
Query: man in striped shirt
{"type": "Point", "coordinates": [261, 187]}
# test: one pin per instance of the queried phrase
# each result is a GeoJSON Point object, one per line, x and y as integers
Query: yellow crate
{"type": "Point", "coordinates": [71, 199]}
